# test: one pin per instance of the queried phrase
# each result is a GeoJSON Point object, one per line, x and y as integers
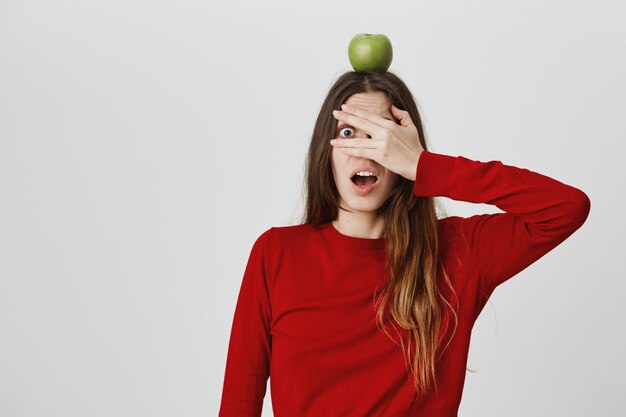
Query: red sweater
{"type": "Point", "coordinates": [305, 314]}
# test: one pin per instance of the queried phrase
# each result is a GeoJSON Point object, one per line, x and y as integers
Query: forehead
{"type": "Point", "coordinates": [377, 102]}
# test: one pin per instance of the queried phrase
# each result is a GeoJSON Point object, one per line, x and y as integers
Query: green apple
{"type": "Point", "coordinates": [368, 52]}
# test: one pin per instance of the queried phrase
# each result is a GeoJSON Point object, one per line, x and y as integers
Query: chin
{"type": "Point", "coordinates": [364, 204]}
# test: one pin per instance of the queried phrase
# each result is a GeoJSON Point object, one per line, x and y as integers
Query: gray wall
{"type": "Point", "coordinates": [145, 145]}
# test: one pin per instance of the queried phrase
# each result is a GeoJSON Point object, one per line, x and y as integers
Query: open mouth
{"type": "Point", "coordinates": [363, 181]}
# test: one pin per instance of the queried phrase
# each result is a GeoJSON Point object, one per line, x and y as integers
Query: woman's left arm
{"type": "Point", "coordinates": [539, 212]}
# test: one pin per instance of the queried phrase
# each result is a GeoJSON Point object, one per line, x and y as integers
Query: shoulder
{"type": "Point", "coordinates": [280, 244]}
{"type": "Point", "coordinates": [448, 227]}
{"type": "Point", "coordinates": [286, 235]}
{"type": "Point", "coordinates": [452, 237]}
{"type": "Point", "coordinates": [292, 234]}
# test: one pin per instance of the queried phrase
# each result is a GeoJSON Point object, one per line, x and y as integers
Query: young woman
{"type": "Point", "coordinates": [366, 307]}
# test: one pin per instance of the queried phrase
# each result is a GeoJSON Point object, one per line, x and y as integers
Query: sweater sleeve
{"type": "Point", "coordinates": [539, 212]}
{"type": "Point", "coordinates": [249, 349]}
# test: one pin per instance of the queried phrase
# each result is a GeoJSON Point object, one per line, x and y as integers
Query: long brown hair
{"type": "Point", "coordinates": [410, 296]}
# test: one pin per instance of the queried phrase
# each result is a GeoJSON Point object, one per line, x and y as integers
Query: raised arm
{"type": "Point", "coordinates": [247, 363]}
{"type": "Point", "coordinates": [539, 212]}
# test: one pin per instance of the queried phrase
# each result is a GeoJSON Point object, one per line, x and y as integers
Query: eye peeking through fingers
{"type": "Point", "coordinates": [345, 128]}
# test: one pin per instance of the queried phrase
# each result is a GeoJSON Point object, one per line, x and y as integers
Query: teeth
{"type": "Point", "coordinates": [365, 174]}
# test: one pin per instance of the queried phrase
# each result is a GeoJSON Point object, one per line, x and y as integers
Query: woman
{"type": "Point", "coordinates": [366, 308]}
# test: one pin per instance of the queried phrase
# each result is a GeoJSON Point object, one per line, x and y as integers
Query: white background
{"type": "Point", "coordinates": [145, 145]}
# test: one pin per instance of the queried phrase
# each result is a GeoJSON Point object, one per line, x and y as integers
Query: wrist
{"type": "Point", "coordinates": [414, 166]}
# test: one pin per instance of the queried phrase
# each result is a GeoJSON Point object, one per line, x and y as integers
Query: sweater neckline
{"type": "Point", "coordinates": [356, 242]}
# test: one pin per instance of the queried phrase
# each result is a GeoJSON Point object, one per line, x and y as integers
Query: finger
{"type": "Point", "coordinates": [354, 143]}
{"type": "Point", "coordinates": [373, 129]}
{"type": "Point", "coordinates": [402, 115]}
{"type": "Point", "coordinates": [372, 117]}
{"type": "Point", "coordinates": [364, 153]}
